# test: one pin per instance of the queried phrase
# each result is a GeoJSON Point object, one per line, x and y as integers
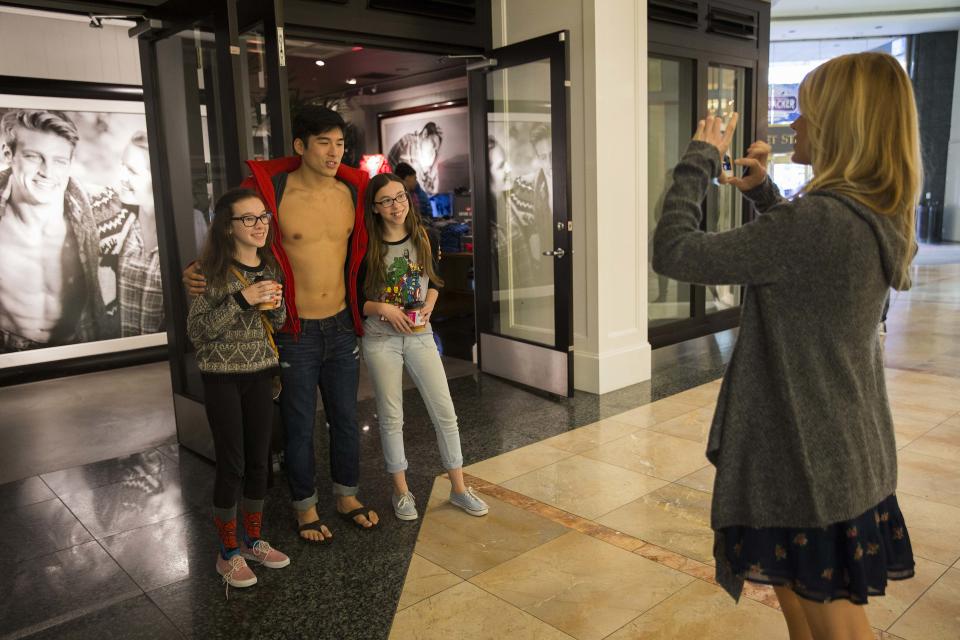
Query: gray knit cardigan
{"type": "Point", "coordinates": [802, 435]}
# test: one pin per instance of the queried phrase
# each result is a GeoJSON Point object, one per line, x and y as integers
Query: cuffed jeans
{"type": "Point", "coordinates": [386, 356]}
{"type": "Point", "coordinates": [327, 356]}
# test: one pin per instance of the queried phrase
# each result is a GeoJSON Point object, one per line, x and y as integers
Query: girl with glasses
{"type": "Point", "coordinates": [400, 281]}
{"type": "Point", "coordinates": [231, 326]}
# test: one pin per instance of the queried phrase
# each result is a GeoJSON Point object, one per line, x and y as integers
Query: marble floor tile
{"type": "Point", "coordinates": [20, 493]}
{"type": "Point", "coordinates": [942, 441]}
{"type": "Point", "coordinates": [98, 474]}
{"type": "Point", "coordinates": [901, 594]}
{"type": "Point", "coordinates": [52, 589]}
{"type": "Point", "coordinates": [466, 611]}
{"type": "Point", "coordinates": [582, 586]}
{"type": "Point", "coordinates": [424, 579]}
{"type": "Point", "coordinates": [466, 546]}
{"type": "Point", "coordinates": [133, 503]}
{"type": "Point", "coordinates": [694, 425]}
{"type": "Point", "coordinates": [39, 529]}
{"type": "Point", "coordinates": [133, 619]}
{"type": "Point", "coordinates": [660, 411]}
{"type": "Point", "coordinates": [703, 611]}
{"type": "Point", "coordinates": [164, 552]}
{"type": "Point", "coordinates": [936, 615]}
{"type": "Point", "coordinates": [590, 436]}
{"type": "Point", "coordinates": [653, 454]}
{"type": "Point", "coordinates": [928, 477]}
{"type": "Point", "coordinates": [517, 462]}
{"type": "Point", "coordinates": [933, 527]}
{"type": "Point", "coordinates": [585, 487]}
{"type": "Point", "coordinates": [673, 517]}
{"type": "Point", "coordinates": [704, 395]}
{"type": "Point", "coordinates": [701, 480]}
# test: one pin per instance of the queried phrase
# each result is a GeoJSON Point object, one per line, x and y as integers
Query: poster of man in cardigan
{"type": "Point", "coordinates": [78, 248]}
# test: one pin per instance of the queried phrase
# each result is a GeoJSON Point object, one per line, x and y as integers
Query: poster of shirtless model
{"type": "Point", "coordinates": [78, 250]}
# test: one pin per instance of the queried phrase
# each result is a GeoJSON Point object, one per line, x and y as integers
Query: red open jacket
{"type": "Point", "coordinates": [262, 181]}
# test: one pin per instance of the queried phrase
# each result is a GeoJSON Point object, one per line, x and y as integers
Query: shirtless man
{"type": "Point", "coordinates": [320, 242]}
{"type": "Point", "coordinates": [49, 291]}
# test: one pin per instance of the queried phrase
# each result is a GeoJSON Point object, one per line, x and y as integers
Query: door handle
{"type": "Point", "coordinates": [556, 253]}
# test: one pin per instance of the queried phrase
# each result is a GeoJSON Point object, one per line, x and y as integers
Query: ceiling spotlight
{"type": "Point", "coordinates": [356, 48]}
{"type": "Point", "coordinates": [320, 63]}
{"type": "Point", "coordinates": [351, 81]}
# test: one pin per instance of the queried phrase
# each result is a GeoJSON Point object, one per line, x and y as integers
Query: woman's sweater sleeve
{"type": "Point", "coordinates": [211, 314]}
{"type": "Point", "coordinates": [759, 252]}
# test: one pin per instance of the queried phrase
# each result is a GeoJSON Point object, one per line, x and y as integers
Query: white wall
{"type": "Point", "coordinates": [47, 45]}
{"type": "Point", "coordinates": [608, 179]}
{"type": "Point", "coordinates": [951, 199]}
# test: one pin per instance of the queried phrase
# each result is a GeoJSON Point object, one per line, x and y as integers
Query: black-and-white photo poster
{"type": "Point", "coordinates": [431, 140]}
{"type": "Point", "coordinates": [79, 262]}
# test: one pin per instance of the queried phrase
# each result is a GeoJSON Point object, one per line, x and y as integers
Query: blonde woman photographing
{"type": "Point", "coordinates": [802, 440]}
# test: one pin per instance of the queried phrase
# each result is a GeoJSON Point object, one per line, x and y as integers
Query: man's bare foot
{"type": "Point", "coordinates": [310, 527]}
{"type": "Point", "coordinates": [346, 504]}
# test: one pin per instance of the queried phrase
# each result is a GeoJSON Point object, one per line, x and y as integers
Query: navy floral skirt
{"type": "Point", "coordinates": [846, 560]}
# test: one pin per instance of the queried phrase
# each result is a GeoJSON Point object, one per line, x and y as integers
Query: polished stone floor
{"type": "Point", "coordinates": [603, 531]}
{"type": "Point", "coordinates": [598, 523]}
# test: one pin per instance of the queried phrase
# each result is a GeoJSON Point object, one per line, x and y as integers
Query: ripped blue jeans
{"type": "Point", "coordinates": [326, 356]}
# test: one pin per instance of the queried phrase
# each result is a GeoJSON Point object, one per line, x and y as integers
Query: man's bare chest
{"type": "Point", "coordinates": [307, 219]}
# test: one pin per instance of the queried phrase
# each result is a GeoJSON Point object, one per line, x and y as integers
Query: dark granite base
{"type": "Point", "coordinates": [151, 519]}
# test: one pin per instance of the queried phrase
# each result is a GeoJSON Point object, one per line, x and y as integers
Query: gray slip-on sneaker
{"type": "Point", "coordinates": [470, 502]}
{"type": "Point", "coordinates": [405, 507]}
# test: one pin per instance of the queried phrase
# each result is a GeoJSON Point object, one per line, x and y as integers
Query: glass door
{"type": "Point", "coordinates": [212, 99]}
{"type": "Point", "coordinates": [523, 263]}
{"type": "Point", "coordinates": [683, 87]}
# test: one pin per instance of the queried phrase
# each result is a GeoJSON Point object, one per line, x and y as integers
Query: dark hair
{"type": "Point", "coordinates": [376, 249]}
{"type": "Point", "coordinates": [402, 170]}
{"type": "Point", "coordinates": [55, 122]}
{"type": "Point", "coordinates": [312, 120]}
{"type": "Point", "coordinates": [217, 256]}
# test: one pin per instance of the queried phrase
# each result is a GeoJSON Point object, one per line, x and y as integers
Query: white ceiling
{"type": "Point", "coordinates": [816, 19]}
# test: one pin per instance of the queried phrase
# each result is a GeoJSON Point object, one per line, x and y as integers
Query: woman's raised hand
{"type": "Point", "coordinates": [712, 132]}
{"type": "Point", "coordinates": [755, 167]}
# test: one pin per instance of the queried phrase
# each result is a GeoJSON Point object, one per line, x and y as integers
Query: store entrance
{"type": "Point", "coordinates": [406, 113]}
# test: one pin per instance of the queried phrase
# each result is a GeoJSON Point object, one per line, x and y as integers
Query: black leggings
{"type": "Point", "coordinates": [240, 412]}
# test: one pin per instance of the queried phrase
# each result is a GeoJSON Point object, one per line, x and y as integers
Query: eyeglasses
{"type": "Point", "coordinates": [388, 201]}
{"type": "Point", "coordinates": [251, 221]}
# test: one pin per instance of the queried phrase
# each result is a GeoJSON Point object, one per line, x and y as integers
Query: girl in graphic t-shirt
{"type": "Point", "coordinates": [401, 286]}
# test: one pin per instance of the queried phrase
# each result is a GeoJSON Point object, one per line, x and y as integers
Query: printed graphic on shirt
{"type": "Point", "coordinates": [403, 281]}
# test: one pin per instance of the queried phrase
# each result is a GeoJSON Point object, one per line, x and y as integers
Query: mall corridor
{"type": "Point", "coordinates": [598, 524]}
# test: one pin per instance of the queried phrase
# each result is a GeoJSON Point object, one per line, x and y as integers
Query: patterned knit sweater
{"type": "Point", "coordinates": [227, 332]}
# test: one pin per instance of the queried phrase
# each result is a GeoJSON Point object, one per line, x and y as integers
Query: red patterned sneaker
{"type": "Point", "coordinates": [262, 552]}
{"type": "Point", "coordinates": [235, 572]}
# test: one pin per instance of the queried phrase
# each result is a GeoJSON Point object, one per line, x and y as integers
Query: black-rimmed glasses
{"type": "Point", "coordinates": [388, 201]}
{"type": "Point", "coordinates": [250, 221]}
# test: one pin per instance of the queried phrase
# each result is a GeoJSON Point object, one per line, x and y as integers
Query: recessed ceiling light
{"type": "Point", "coordinates": [320, 63]}
{"type": "Point", "coordinates": [351, 81]}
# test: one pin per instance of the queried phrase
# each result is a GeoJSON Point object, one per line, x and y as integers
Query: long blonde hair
{"type": "Point", "coordinates": [376, 249]}
{"type": "Point", "coordinates": [864, 139]}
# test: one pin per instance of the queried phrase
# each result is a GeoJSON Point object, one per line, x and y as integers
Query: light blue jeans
{"type": "Point", "coordinates": [386, 357]}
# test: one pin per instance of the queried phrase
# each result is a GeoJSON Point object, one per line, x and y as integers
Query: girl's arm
{"type": "Point", "coordinates": [760, 252]}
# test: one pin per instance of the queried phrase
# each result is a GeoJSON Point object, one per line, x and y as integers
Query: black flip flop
{"type": "Point", "coordinates": [317, 526]}
{"type": "Point", "coordinates": [359, 511]}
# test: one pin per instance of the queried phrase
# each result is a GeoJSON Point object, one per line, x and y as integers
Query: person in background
{"type": "Point", "coordinates": [49, 282]}
{"type": "Point", "coordinates": [128, 243]}
{"type": "Point", "coordinates": [802, 439]}
{"type": "Point", "coordinates": [401, 287]}
{"type": "Point", "coordinates": [421, 200]}
{"type": "Point", "coordinates": [232, 326]}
